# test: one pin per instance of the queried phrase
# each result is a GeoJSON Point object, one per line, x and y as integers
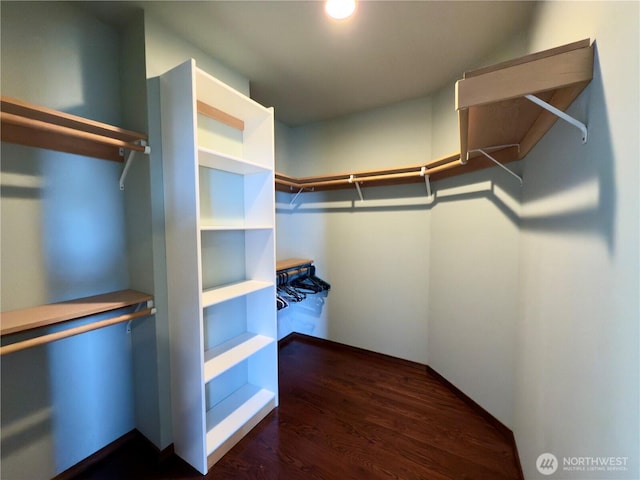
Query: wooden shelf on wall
{"type": "Point", "coordinates": [492, 106]}
{"type": "Point", "coordinates": [374, 178]}
{"type": "Point", "coordinates": [35, 126]}
{"type": "Point", "coordinates": [28, 319]}
{"type": "Point", "coordinates": [292, 263]}
{"type": "Point", "coordinates": [54, 313]}
{"type": "Point", "coordinates": [492, 111]}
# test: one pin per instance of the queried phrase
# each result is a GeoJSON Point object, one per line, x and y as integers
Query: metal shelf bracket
{"type": "Point", "coordinates": [511, 172]}
{"type": "Point", "coordinates": [559, 113]}
{"type": "Point", "coordinates": [352, 180]}
{"type": "Point", "coordinates": [293, 200]}
{"type": "Point", "coordinates": [149, 305]}
{"type": "Point", "coordinates": [127, 165]}
{"type": "Point", "coordinates": [423, 173]}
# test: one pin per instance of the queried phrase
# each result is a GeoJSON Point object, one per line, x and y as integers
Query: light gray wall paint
{"type": "Point", "coordinates": [165, 50]}
{"type": "Point", "coordinates": [576, 362]}
{"type": "Point", "coordinates": [63, 237]}
{"type": "Point", "coordinates": [374, 253]}
{"type": "Point", "coordinates": [149, 400]}
{"type": "Point", "coordinates": [473, 287]}
{"type": "Point", "coordinates": [473, 294]}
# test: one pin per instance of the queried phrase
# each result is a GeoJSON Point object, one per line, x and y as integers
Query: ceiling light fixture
{"type": "Point", "coordinates": [340, 9]}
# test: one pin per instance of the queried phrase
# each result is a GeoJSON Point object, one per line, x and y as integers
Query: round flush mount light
{"type": "Point", "coordinates": [340, 9]}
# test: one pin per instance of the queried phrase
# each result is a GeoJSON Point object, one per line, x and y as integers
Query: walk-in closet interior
{"type": "Point", "coordinates": [186, 184]}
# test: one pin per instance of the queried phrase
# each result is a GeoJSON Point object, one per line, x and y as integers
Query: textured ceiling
{"type": "Point", "coordinates": [311, 68]}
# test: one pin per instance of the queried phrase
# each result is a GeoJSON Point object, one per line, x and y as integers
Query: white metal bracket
{"type": "Point", "coordinates": [149, 304]}
{"type": "Point", "coordinates": [511, 172]}
{"type": "Point", "coordinates": [351, 180]}
{"type": "Point", "coordinates": [127, 165]}
{"type": "Point", "coordinates": [559, 113]}
{"type": "Point", "coordinates": [423, 173]}
{"type": "Point", "coordinates": [296, 196]}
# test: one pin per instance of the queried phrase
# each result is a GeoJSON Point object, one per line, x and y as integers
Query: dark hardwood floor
{"type": "Point", "coordinates": [346, 414]}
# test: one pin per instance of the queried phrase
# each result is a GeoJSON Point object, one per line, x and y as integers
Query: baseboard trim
{"type": "Point", "coordinates": [497, 424]}
{"type": "Point", "coordinates": [301, 337]}
{"type": "Point", "coordinates": [476, 407]}
{"type": "Point", "coordinates": [81, 467]}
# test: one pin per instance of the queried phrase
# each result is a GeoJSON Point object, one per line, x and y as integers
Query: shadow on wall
{"type": "Point", "coordinates": [571, 189]}
{"type": "Point", "coordinates": [27, 417]}
{"type": "Point", "coordinates": [63, 401]}
{"type": "Point", "coordinates": [65, 235]}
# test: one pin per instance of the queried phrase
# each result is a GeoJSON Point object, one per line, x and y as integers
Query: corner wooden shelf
{"type": "Point", "coordinates": [35, 126]}
{"type": "Point", "coordinates": [373, 178]}
{"type": "Point", "coordinates": [493, 111]}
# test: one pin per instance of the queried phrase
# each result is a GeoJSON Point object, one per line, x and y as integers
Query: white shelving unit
{"type": "Point", "coordinates": [218, 157]}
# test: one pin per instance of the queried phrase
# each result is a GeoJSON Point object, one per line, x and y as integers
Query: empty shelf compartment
{"type": "Point", "coordinates": [235, 199]}
{"type": "Point", "coordinates": [228, 163]}
{"type": "Point", "coordinates": [243, 409]}
{"type": "Point", "coordinates": [228, 354]}
{"type": "Point", "coordinates": [227, 292]}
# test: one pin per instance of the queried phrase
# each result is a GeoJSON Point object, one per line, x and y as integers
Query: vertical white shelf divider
{"type": "Point", "coordinates": [220, 240]}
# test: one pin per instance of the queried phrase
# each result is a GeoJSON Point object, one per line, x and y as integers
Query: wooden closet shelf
{"type": "Point", "coordinates": [493, 111]}
{"type": "Point", "coordinates": [219, 115]}
{"type": "Point", "coordinates": [491, 103]}
{"type": "Point", "coordinates": [35, 126]}
{"type": "Point", "coordinates": [290, 263]}
{"type": "Point", "coordinates": [436, 169]}
{"type": "Point", "coordinates": [45, 315]}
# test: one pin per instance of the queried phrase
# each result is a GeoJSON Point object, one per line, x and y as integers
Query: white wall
{"type": "Point", "coordinates": [63, 237]}
{"type": "Point", "coordinates": [375, 253]}
{"type": "Point", "coordinates": [576, 363]}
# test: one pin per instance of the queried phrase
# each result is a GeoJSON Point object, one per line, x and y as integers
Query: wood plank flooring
{"type": "Point", "coordinates": [347, 414]}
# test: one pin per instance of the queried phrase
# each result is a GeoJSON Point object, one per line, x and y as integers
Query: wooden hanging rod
{"type": "Point", "coordinates": [55, 117]}
{"type": "Point", "coordinates": [293, 266]}
{"type": "Point", "coordinates": [54, 313]}
{"type": "Point", "coordinates": [385, 176]}
{"type": "Point", "coordinates": [52, 337]}
{"type": "Point", "coordinates": [436, 170]}
{"type": "Point", "coordinates": [16, 120]}
{"type": "Point", "coordinates": [217, 114]}
{"type": "Point", "coordinates": [290, 263]}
